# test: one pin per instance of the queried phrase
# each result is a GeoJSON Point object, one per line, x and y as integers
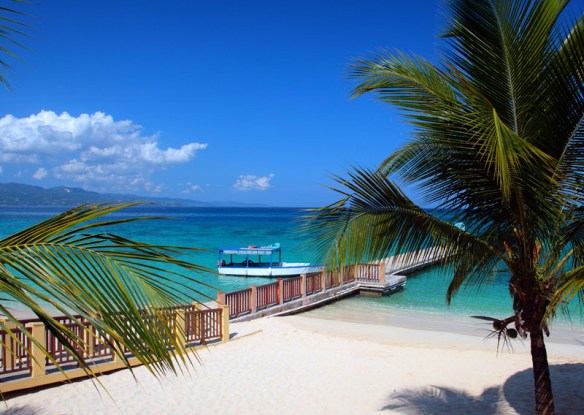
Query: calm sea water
{"type": "Point", "coordinates": [211, 228]}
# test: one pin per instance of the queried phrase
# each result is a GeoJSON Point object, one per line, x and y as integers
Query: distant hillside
{"type": "Point", "coordinates": [17, 194]}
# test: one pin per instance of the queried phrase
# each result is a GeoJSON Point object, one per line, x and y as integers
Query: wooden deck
{"type": "Point", "coordinates": [404, 264]}
{"type": "Point", "coordinates": [23, 365]}
{"type": "Point", "coordinates": [296, 294]}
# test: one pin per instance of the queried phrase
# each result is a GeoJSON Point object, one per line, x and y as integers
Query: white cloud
{"type": "Point", "coordinates": [18, 158]}
{"type": "Point", "coordinates": [251, 182]}
{"type": "Point", "coordinates": [40, 174]}
{"type": "Point", "coordinates": [153, 187]}
{"type": "Point", "coordinates": [191, 187]}
{"type": "Point", "coordinates": [91, 149]}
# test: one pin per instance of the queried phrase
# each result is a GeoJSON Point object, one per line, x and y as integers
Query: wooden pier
{"type": "Point", "coordinates": [296, 294]}
{"type": "Point", "coordinates": [23, 364]}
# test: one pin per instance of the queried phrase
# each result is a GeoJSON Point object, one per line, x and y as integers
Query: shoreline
{"type": "Point", "coordinates": [310, 364]}
{"type": "Point", "coordinates": [561, 332]}
{"type": "Point", "coordinates": [445, 322]}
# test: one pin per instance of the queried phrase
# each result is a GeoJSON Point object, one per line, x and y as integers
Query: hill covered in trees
{"type": "Point", "coordinates": [17, 194]}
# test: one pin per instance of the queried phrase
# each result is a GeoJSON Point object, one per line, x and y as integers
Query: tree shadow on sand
{"type": "Point", "coordinates": [567, 381]}
{"type": "Point", "coordinates": [517, 391]}
{"type": "Point", "coordinates": [19, 410]}
{"type": "Point", "coordinates": [443, 400]}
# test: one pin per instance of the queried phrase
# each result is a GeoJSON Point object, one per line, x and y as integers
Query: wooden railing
{"type": "Point", "coordinates": [370, 272]}
{"type": "Point", "coordinates": [13, 352]}
{"type": "Point", "coordinates": [267, 295]}
{"type": "Point", "coordinates": [239, 302]}
{"type": "Point", "coordinates": [59, 354]}
{"type": "Point", "coordinates": [261, 297]}
{"type": "Point", "coordinates": [347, 274]}
{"type": "Point", "coordinates": [202, 325]}
{"type": "Point", "coordinates": [313, 283]}
{"type": "Point", "coordinates": [292, 288]}
{"type": "Point", "coordinates": [22, 361]}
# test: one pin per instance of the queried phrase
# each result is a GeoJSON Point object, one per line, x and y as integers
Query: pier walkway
{"type": "Point", "coordinates": [295, 294]}
{"type": "Point", "coordinates": [25, 363]}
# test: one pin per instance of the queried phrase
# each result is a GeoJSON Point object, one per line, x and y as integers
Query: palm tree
{"type": "Point", "coordinates": [71, 262]}
{"type": "Point", "coordinates": [497, 144]}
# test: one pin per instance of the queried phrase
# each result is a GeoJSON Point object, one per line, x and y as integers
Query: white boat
{"type": "Point", "coordinates": [264, 261]}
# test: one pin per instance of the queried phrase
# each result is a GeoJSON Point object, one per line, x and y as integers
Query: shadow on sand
{"type": "Point", "coordinates": [442, 400]}
{"type": "Point", "coordinates": [517, 391]}
{"type": "Point", "coordinates": [19, 410]}
{"type": "Point", "coordinates": [567, 381]}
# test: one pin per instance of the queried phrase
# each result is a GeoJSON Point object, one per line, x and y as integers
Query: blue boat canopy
{"type": "Point", "coordinates": [251, 250]}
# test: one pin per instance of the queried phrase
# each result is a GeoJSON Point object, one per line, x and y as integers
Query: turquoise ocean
{"type": "Point", "coordinates": [212, 228]}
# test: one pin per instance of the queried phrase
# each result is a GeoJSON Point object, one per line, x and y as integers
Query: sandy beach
{"type": "Point", "coordinates": [311, 364]}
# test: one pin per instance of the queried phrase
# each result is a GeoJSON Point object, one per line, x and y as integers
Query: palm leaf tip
{"type": "Point", "coordinates": [106, 279]}
{"type": "Point", "coordinates": [12, 28]}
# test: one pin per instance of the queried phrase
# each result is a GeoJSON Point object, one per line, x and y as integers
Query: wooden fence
{"type": "Point", "coordinates": [23, 363]}
{"type": "Point", "coordinates": [267, 295]}
{"type": "Point", "coordinates": [261, 297]}
{"type": "Point", "coordinates": [369, 273]}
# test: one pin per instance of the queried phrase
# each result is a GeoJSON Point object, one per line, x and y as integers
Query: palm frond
{"type": "Point", "coordinates": [108, 280]}
{"type": "Point", "coordinates": [498, 143]}
{"type": "Point", "coordinates": [570, 286]}
{"type": "Point", "coordinates": [11, 26]}
{"type": "Point", "coordinates": [471, 148]}
{"type": "Point", "coordinates": [376, 220]}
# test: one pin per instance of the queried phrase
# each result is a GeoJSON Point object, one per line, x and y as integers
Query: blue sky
{"type": "Point", "coordinates": [218, 100]}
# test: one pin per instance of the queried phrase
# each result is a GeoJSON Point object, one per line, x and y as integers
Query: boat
{"type": "Point", "coordinates": [263, 261]}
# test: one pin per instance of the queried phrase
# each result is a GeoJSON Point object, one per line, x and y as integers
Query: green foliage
{"type": "Point", "coordinates": [11, 30]}
{"type": "Point", "coordinates": [497, 142]}
{"type": "Point", "coordinates": [115, 284]}
{"type": "Point", "coordinates": [73, 263]}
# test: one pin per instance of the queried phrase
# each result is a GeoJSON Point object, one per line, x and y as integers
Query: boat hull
{"type": "Point", "coordinates": [279, 271]}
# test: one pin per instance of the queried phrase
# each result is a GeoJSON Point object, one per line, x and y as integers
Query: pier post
{"type": "Point", "coordinates": [9, 353]}
{"type": "Point", "coordinates": [280, 291]}
{"type": "Point", "coordinates": [181, 327]}
{"type": "Point", "coordinates": [253, 298]}
{"type": "Point", "coordinates": [197, 321]}
{"type": "Point", "coordinates": [116, 357]}
{"type": "Point", "coordinates": [382, 272]}
{"type": "Point", "coordinates": [88, 339]}
{"type": "Point", "coordinates": [224, 323]}
{"type": "Point", "coordinates": [221, 298]}
{"type": "Point", "coordinates": [37, 346]}
{"type": "Point", "coordinates": [323, 281]}
{"type": "Point", "coordinates": [303, 285]}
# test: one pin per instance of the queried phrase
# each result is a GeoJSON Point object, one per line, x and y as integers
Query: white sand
{"type": "Point", "coordinates": [310, 365]}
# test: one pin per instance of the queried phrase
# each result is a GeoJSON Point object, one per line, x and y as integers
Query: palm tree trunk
{"type": "Point", "coordinates": [544, 398]}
